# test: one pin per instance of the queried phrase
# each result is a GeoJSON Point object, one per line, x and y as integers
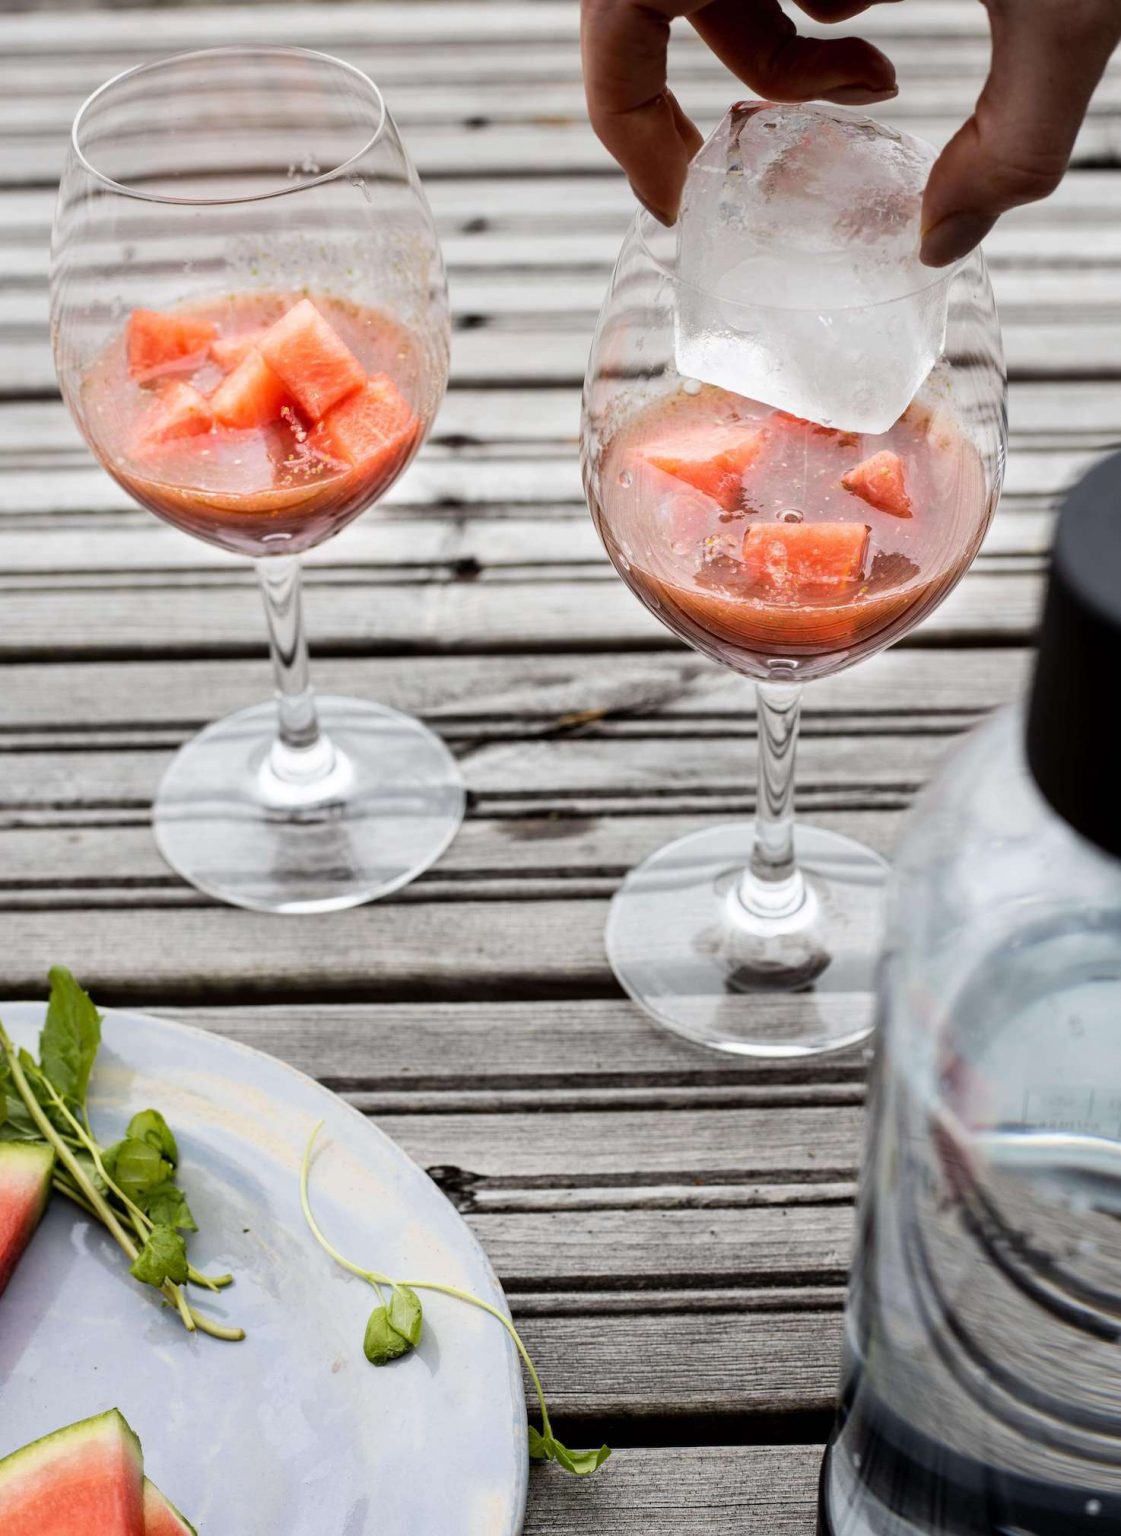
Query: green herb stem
{"type": "Point", "coordinates": [95, 1202]}
{"type": "Point", "coordinates": [376, 1279]}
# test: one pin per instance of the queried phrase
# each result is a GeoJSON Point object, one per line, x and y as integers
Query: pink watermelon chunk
{"type": "Point", "coordinates": [842, 439]}
{"type": "Point", "coordinates": [157, 342]}
{"type": "Point", "coordinates": [25, 1188]}
{"type": "Point", "coordinates": [373, 428]}
{"type": "Point", "coordinates": [251, 396]}
{"type": "Point", "coordinates": [228, 351]}
{"type": "Point", "coordinates": [87, 1478]}
{"type": "Point", "coordinates": [713, 459]}
{"type": "Point", "coordinates": [161, 1518]}
{"type": "Point", "coordinates": [179, 412]}
{"type": "Point", "coordinates": [312, 359]}
{"type": "Point", "coordinates": [881, 481]}
{"type": "Point", "coordinates": [791, 559]}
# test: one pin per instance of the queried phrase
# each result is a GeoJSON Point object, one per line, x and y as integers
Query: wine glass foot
{"type": "Point", "coordinates": [685, 948]}
{"type": "Point", "coordinates": [381, 802]}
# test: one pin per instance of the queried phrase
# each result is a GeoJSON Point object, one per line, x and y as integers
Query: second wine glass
{"type": "Point", "coordinates": [250, 325]}
{"type": "Point", "coordinates": [787, 552]}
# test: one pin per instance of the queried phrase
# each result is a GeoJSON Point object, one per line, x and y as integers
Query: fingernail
{"type": "Point", "coordinates": [861, 95]}
{"type": "Point", "coordinates": [953, 237]}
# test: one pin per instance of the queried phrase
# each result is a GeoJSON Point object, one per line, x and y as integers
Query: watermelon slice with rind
{"type": "Point", "coordinates": [25, 1187]}
{"type": "Point", "coordinates": [161, 1518]}
{"type": "Point", "coordinates": [86, 1478]}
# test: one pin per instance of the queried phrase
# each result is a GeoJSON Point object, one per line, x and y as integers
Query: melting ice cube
{"type": "Point", "coordinates": [801, 284]}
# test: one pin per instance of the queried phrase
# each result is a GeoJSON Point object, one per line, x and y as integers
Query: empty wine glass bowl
{"type": "Point", "coordinates": [250, 325]}
{"type": "Point", "coordinates": [786, 549]}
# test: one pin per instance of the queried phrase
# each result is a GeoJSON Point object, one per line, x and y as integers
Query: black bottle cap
{"type": "Point", "coordinates": [1074, 714]}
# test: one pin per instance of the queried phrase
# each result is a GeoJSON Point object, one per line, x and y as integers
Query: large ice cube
{"type": "Point", "coordinates": [801, 284]}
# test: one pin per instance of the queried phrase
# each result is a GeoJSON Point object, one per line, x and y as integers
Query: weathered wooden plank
{"type": "Point", "coordinates": [539, 772]}
{"type": "Point", "coordinates": [792, 1244]}
{"type": "Point", "coordinates": [156, 619]}
{"type": "Point", "coordinates": [527, 354]}
{"type": "Point", "coordinates": [696, 1363]}
{"type": "Point", "coordinates": [120, 864]}
{"type": "Point", "coordinates": [549, 542]}
{"type": "Point", "coordinates": [155, 698]}
{"type": "Point", "coordinates": [710, 1491]}
{"type": "Point", "coordinates": [565, 147]}
{"type": "Point", "coordinates": [467, 1046]}
{"type": "Point", "coordinates": [560, 205]}
{"type": "Point", "coordinates": [41, 431]}
{"type": "Point", "coordinates": [672, 1145]}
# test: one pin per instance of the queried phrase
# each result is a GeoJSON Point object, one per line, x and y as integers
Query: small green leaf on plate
{"type": "Point", "coordinates": [405, 1314]}
{"type": "Point", "coordinates": [150, 1126]}
{"type": "Point", "coordinates": [383, 1343]}
{"type": "Point", "coordinates": [163, 1257]}
{"type": "Point", "coordinates": [137, 1169]}
{"type": "Point", "coordinates": [70, 1038]}
{"type": "Point", "coordinates": [166, 1206]}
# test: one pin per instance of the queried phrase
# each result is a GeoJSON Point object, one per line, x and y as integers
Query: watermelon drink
{"type": "Point", "coordinates": [260, 422]}
{"type": "Point", "coordinates": [762, 538]}
{"type": "Point", "coordinates": [250, 326]}
{"type": "Point", "coordinates": [786, 549]}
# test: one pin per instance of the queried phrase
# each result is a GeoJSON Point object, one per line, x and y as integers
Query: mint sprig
{"type": "Point", "coordinates": [394, 1330]}
{"type": "Point", "coordinates": [127, 1187]}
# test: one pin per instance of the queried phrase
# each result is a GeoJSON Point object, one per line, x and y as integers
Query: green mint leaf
{"type": "Point", "coordinates": [70, 1038]}
{"type": "Point", "coordinates": [166, 1206]}
{"type": "Point", "coordinates": [383, 1343]}
{"type": "Point", "coordinates": [538, 1446]}
{"type": "Point", "coordinates": [405, 1314]}
{"type": "Point", "coordinates": [150, 1126]}
{"type": "Point", "coordinates": [163, 1257]}
{"type": "Point", "coordinates": [579, 1463]}
{"type": "Point", "coordinates": [137, 1169]}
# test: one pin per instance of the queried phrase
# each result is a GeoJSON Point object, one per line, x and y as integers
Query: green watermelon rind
{"type": "Point", "coordinates": [32, 1152]}
{"type": "Point", "coordinates": [25, 1461]}
{"type": "Point", "coordinates": [183, 1521]}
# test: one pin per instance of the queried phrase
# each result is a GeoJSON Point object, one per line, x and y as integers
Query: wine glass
{"type": "Point", "coordinates": [695, 491]}
{"type": "Point", "coordinates": [250, 326]}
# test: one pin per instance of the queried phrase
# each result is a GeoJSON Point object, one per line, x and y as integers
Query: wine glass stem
{"type": "Point", "coordinates": [301, 753]}
{"type": "Point", "coordinates": [772, 884]}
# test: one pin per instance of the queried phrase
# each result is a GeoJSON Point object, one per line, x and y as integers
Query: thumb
{"type": "Point", "coordinates": [1048, 55]}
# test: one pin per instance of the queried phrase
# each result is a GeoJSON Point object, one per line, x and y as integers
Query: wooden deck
{"type": "Point", "coordinates": [672, 1228]}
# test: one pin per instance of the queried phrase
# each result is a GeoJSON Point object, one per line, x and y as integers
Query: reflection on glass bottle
{"type": "Point", "coordinates": [981, 1388]}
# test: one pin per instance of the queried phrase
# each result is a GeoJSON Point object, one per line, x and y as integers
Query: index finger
{"type": "Point", "coordinates": [624, 45]}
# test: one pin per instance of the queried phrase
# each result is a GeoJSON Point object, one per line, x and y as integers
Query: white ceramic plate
{"type": "Point", "coordinates": [292, 1430]}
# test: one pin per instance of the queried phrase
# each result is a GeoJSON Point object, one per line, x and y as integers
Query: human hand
{"type": "Point", "coordinates": [1048, 56]}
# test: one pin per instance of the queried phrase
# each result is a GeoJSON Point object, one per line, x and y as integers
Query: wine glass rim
{"type": "Point", "coordinates": [248, 50]}
{"type": "Point", "coordinates": [645, 221]}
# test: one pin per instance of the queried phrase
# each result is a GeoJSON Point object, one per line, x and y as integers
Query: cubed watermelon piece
{"type": "Point", "coordinates": [251, 396]}
{"type": "Point", "coordinates": [371, 428]}
{"type": "Point", "coordinates": [790, 559]}
{"type": "Point", "coordinates": [842, 439]}
{"type": "Point", "coordinates": [25, 1187]}
{"type": "Point", "coordinates": [161, 1518]}
{"type": "Point", "coordinates": [881, 481]}
{"type": "Point", "coordinates": [86, 1480]}
{"type": "Point", "coordinates": [180, 411]}
{"type": "Point", "coordinates": [312, 359]}
{"type": "Point", "coordinates": [228, 351]}
{"type": "Point", "coordinates": [712, 459]}
{"type": "Point", "coordinates": [158, 342]}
